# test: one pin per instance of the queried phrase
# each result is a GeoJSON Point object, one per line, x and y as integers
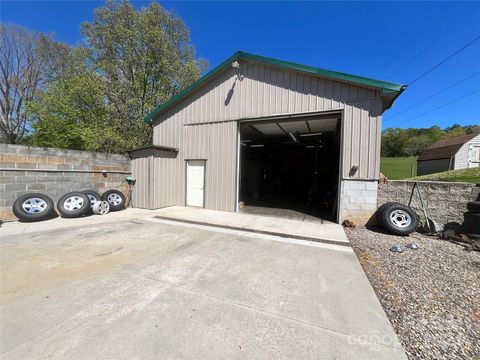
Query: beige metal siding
{"type": "Point", "coordinates": [156, 174]}
{"type": "Point", "coordinates": [165, 179]}
{"type": "Point", "coordinates": [217, 143]}
{"type": "Point", "coordinates": [141, 192]}
{"type": "Point", "coordinates": [204, 125]}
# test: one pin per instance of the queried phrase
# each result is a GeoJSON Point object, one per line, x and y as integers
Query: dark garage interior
{"type": "Point", "coordinates": [290, 164]}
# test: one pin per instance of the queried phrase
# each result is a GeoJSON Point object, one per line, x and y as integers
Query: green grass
{"type": "Point", "coordinates": [463, 175]}
{"type": "Point", "coordinates": [396, 168]}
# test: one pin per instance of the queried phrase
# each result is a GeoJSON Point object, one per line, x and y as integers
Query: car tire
{"type": "Point", "coordinates": [74, 204]}
{"type": "Point", "coordinates": [115, 199]}
{"type": "Point", "coordinates": [93, 196]}
{"type": "Point", "coordinates": [473, 206]}
{"type": "Point", "coordinates": [33, 207]}
{"type": "Point", "coordinates": [471, 223]}
{"type": "Point", "coordinates": [398, 219]}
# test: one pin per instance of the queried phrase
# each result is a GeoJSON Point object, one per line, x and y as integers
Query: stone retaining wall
{"type": "Point", "coordinates": [445, 201]}
{"type": "Point", "coordinates": [55, 172]}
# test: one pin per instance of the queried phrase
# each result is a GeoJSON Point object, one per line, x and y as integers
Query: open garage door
{"type": "Point", "coordinates": [290, 167]}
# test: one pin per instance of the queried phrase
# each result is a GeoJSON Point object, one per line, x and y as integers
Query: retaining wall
{"type": "Point", "coordinates": [445, 201]}
{"type": "Point", "coordinates": [54, 172]}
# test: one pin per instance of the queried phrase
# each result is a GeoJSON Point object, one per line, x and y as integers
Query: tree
{"type": "Point", "coordinates": [144, 57]}
{"type": "Point", "coordinates": [72, 114]}
{"type": "Point", "coordinates": [20, 78]}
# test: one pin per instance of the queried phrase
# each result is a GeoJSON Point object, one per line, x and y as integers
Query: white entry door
{"type": "Point", "coordinates": [195, 182]}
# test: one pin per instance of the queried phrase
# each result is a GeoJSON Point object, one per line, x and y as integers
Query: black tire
{"type": "Point", "coordinates": [471, 223]}
{"type": "Point", "coordinates": [403, 224]}
{"type": "Point", "coordinates": [74, 204]}
{"type": "Point", "coordinates": [93, 196]}
{"type": "Point", "coordinates": [33, 207]}
{"type": "Point", "coordinates": [115, 199]}
{"type": "Point", "coordinates": [474, 206]}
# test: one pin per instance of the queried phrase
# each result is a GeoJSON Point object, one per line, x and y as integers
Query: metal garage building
{"type": "Point", "coordinates": [261, 132]}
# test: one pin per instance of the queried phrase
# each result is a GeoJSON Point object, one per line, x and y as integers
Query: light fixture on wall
{"type": "Point", "coordinates": [236, 67]}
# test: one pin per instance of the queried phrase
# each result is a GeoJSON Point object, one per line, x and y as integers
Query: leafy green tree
{"type": "Point", "coordinates": [144, 58]}
{"type": "Point", "coordinates": [72, 114]}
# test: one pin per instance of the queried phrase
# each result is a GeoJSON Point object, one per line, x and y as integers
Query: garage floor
{"type": "Point", "coordinates": [126, 286]}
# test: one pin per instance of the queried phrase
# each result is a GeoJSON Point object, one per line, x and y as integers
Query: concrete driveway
{"type": "Point", "coordinates": [127, 286]}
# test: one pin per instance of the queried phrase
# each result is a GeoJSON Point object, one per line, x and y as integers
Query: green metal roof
{"type": "Point", "coordinates": [392, 90]}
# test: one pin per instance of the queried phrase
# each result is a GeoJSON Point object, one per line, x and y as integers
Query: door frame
{"type": "Point", "coordinates": [204, 181]}
{"type": "Point", "coordinates": [293, 117]}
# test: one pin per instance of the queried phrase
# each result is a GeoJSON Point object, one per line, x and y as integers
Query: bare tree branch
{"type": "Point", "coordinates": [20, 78]}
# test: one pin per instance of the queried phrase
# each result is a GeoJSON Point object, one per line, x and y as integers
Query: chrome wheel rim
{"type": "Point", "coordinates": [103, 208]}
{"type": "Point", "coordinates": [92, 199]}
{"type": "Point", "coordinates": [114, 199]}
{"type": "Point", "coordinates": [34, 205]}
{"type": "Point", "coordinates": [73, 203]}
{"type": "Point", "coordinates": [400, 218]}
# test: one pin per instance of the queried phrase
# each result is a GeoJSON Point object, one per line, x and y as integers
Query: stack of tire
{"type": "Point", "coordinates": [471, 219]}
{"type": "Point", "coordinates": [37, 207]}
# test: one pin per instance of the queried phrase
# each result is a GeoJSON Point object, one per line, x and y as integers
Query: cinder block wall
{"type": "Point", "coordinates": [55, 172]}
{"type": "Point", "coordinates": [358, 200]}
{"type": "Point", "coordinates": [445, 201]}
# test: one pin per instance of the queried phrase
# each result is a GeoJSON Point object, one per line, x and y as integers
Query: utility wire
{"type": "Point", "coordinates": [438, 107]}
{"type": "Point", "coordinates": [412, 41]}
{"type": "Point", "coordinates": [445, 60]}
{"type": "Point", "coordinates": [450, 28]}
{"type": "Point", "coordinates": [432, 96]}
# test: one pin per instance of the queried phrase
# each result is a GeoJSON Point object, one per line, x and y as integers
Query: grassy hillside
{"type": "Point", "coordinates": [464, 175]}
{"type": "Point", "coordinates": [396, 168]}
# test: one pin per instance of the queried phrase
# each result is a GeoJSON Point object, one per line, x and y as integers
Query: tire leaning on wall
{"type": "Point", "coordinates": [397, 218]}
{"type": "Point", "coordinates": [115, 199]}
{"type": "Point", "coordinates": [74, 204]}
{"type": "Point", "coordinates": [93, 196]}
{"type": "Point", "coordinates": [33, 207]}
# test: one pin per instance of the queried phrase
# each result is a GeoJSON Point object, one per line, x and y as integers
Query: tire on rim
{"type": "Point", "coordinates": [101, 207]}
{"type": "Point", "coordinates": [73, 205]}
{"type": "Point", "coordinates": [115, 199]}
{"type": "Point", "coordinates": [398, 219]}
{"type": "Point", "coordinates": [33, 207]}
{"type": "Point", "coordinates": [93, 196]}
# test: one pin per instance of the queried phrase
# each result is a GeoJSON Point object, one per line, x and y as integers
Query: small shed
{"type": "Point", "coordinates": [261, 133]}
{"type": "Point", "coordinates": [461, 152]}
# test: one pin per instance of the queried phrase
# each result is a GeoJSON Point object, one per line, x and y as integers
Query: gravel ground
{"type": "Point", "coordinates": [431, 295]}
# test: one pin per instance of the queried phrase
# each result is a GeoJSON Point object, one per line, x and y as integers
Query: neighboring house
{"type": "Point", "coordinates": [257, 131]}
{"type": "Point", "coordinates": [461, 152]}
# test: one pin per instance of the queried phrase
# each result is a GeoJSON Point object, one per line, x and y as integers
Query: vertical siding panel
{"type": "Point", "coordinates": [364, 140]}
{"type": "Point", "coordinates": [347, 140]}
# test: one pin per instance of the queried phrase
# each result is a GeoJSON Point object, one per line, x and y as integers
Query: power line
{"type": "Point", "coordinates": [432, 96]}
{"type": "Point", "coordinates": [430, 44]}
{"type": "Point", "coordinates": [438, 107]}
{"type": "Point", "coordinates": [413, 40]}
{"type": "Point", "coordinates": [445, 60]}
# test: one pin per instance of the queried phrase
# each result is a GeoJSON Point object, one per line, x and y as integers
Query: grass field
{"type": "Point", "coordinates": [398, 167]}
{"type": "Point", "coordinates": [463, 175]}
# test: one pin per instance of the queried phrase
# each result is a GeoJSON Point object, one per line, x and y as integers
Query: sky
{"type": "Point", "coordinates": [393, 41]}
